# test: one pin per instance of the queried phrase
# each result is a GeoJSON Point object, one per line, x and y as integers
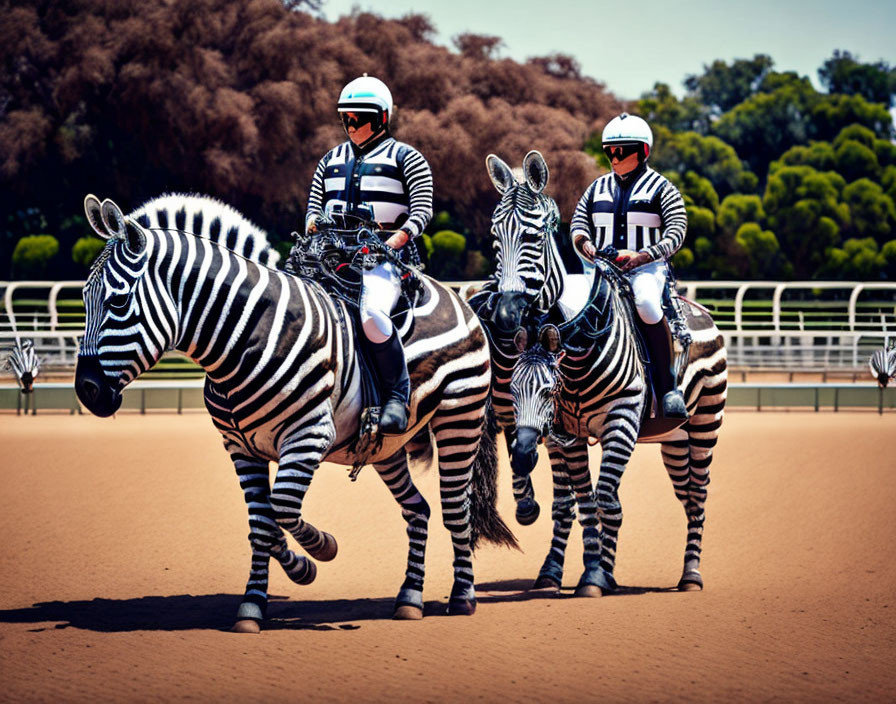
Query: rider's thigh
{"type": "Point", "coordinates": [647, 287]}
{"type": "Point", "coordinates": [381, 289]}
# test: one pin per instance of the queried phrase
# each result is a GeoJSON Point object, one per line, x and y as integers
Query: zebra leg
{"type": "Point", "coordinates": [415, 510]}
{"type": "Point", "coordinates": [527, 508]}
{"type": "Point", "coordinates": [562, 512]}
{"type": "Point", "coordinates": [457, 430]}
{"type": "Point", "coordinates": [572, 477]}
{"type": "Point", "coordinates": [617, 444]}
{"type": "Point", "coordinates": [687, 462]}
{"type": "Point", "coordinates": [266, 539]}
{"type": "Point", "coordinates": [300, 456]}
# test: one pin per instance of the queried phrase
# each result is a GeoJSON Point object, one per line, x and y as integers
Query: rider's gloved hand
{"type": "Point", "coordinates": [318, 222]}
{"type": "Point", "coordinates": [398, 240]}
{"type": "Point", "coordinates": [629, 260]}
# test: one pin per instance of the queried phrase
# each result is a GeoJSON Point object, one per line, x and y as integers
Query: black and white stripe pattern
{"type": "Point", "coordinates": [883, 365]}
{"type": "Point", "coordinates": [283, 384]}
{"type": "Point", "coordinates": [25, 364]}
{"type": "Point", "coordinates": [393, 178]}
{"type": "Point", "coordinates": [597, 390]}
{"type": "Point", "coordinates": [655, 220]}
{"type": "Point", "coordinates": [602, 392]}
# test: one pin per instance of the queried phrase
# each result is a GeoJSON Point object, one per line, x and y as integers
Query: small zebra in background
{"type": "Point", "coordinates": [284, 382]}
{"type": "Point", "coordinates": [883, 364]}
{"type": "Point", "coordinates": [25, 363]}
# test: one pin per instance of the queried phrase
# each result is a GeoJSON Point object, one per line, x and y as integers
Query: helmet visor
{"type": "Point", "coordinates": [359, 119]}
{"type": "Point", "coordinates": [621, 150]}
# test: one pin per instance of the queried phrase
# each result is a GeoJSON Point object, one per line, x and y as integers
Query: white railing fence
{"type": "Point", "coordinates": [811, 325]}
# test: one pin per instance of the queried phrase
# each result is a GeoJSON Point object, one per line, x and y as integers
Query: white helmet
{"type": "Point", "coordinates": [366, 94]}
{"type": "Point", "coordinates": [627, 128]}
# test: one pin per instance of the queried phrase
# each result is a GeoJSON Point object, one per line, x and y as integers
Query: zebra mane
{"type": "Point", "coordinates": [211, 219]}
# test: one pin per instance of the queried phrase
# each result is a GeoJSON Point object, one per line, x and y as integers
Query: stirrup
{"type": "Point", "coordinates": [674, 405]}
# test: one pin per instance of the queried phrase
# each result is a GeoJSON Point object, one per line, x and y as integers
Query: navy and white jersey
{"type": "Point", "coordinates": [392, 178]}
{"type": "Point", "coordinates": [648, 216]}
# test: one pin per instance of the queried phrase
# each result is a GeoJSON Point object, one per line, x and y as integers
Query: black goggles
{"type": "Point", "coordinates": [358, 119]}
{"type": "Point", "coordinates": [621, 151]}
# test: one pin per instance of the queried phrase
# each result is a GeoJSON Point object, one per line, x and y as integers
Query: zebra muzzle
{"type": "Point", "coordinates": [524, 452]}
{"type": "Point", "coordinates": [93, 389]}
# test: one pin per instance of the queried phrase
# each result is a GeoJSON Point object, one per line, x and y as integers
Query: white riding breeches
{"type": "Point", "coordinates": [648, 283]}
{"type": "Point", "coordinates": [380, 290]}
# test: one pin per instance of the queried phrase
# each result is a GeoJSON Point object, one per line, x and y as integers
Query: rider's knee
{"type": "Point", "coordinates": [650, 310]}
{"type": "Point", "coordinates": [376, 325]}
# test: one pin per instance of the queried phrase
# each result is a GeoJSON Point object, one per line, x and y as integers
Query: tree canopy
{"type": "Point", "coordinates": [237, 100]}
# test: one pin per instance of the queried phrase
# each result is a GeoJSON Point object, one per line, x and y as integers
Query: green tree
{"type": "Point", "coordinates": [661, 108]}
{"type": "Point", "coordinates": [794, 113]}
{"type": "Point", "coordinates": [857, 259]}
{"type": "Point", "coordinates": [766, 124]}
{"type": "Point", "coordinates": [888, 182]}
{"type": "Point", "coordinates": [764, 256]}
{"type": "Point", "coordinates": [86, 249]}
{"type": "Point", "coordinates": [448, 254]}
{"type": "Point", "coordinates": [709, 157]}
{"type": "Point", "coordinates": [844, 73]}
{"type": "Point", "coordinates": [722, 86]}
{"type": "Point", "coordinates": [738, 209]}
{"type": "Point", "coordinates": [700, 191]}
{"type": "Point", "coordinates": [818, 155]}
{"type": "Point", "coordinates": [871, 211]}
{"type": "Point", "coordinates": [803, 209]}
{"type": "Point", "coordinates": [33, 254]}
{"type": "Point", "coordinates": [854, 160]}
{"type": "Point", "coordinates": [888, 252]}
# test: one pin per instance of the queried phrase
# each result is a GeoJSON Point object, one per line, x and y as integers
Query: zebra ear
{"type": "Point", "coordinates": [521, 340]}
{"type": "Point", "coordinates": [536, 171]}
{"type": "Point", "coordinates": [93, 211]}
{"type": "Point", "coordinates": [135, 237]}
{"type": "Point", "coordinates": [549, 337]}
{"type": "Point", "coordinates": [500, 173]}
{"type": "Point", "coordinates": [112, 219]}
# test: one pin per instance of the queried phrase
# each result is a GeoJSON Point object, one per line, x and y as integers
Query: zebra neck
{"type": "Point", "coordinates": [555, 272]}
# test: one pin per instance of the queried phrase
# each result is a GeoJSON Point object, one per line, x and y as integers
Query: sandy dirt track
{"type": "Point", "coordinates": [124, 558]}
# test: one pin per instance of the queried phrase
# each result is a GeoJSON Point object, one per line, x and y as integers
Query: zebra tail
{"type": "Point", "coordinates": [485, 522]}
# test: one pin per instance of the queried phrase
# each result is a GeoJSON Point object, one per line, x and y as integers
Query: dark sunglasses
{"type": "Point", "coordinates": [621, 151]}
{"type": "Point", "coordinates": [357, 119]}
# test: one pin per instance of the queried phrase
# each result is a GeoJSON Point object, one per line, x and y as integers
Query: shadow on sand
{"type": "Point", "coordinates": [217, 611]}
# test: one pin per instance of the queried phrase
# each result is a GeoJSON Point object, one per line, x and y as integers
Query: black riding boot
{"type": "Point", "coordinates": [389, 359]}
{"type": "Point", "coordinates": [659, 340]}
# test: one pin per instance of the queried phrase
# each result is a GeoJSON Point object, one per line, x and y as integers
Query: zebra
{"type": "Point", "coordinates": [24, 363]}
{"type": "Point", "coordinates": [883, 364]}
{"type": "Point", "coordinates": [523, 207]}
{"type": "Point", "coordinates": [592, 385]}
{"type": "Point", "coordinates": [283, 383]}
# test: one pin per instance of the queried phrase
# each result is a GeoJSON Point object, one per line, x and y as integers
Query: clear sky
{"type": "Point", "coordinates": [631, 44]}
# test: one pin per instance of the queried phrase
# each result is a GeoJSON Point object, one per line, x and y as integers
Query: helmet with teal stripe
{"type": "Point", "coordinates": [367, 94]}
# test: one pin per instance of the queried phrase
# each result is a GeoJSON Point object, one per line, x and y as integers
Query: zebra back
{"type": "Point", "coordinates": [211, 219]}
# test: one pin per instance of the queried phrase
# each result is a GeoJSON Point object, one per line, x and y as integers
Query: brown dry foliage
{"type": "Point", "coordinates": [128, 98]}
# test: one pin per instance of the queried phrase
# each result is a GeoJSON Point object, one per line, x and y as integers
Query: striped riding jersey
{"type": "Point", "coordinates": [392, 178]}
{"type": "Point", "coordinates": [646, 215]}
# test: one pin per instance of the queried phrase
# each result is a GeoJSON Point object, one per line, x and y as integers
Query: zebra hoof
{"type": "Point", "coordinates": [527, 512]}
{"type": "Point", "coordinates": [461, 607]}
{"type": "Point", "coordinates": [545, 582]}
{"type": "Point", "coordinates": [246, 625]}
{"type": "Point", "coordinates": [407, 612]}
{"type": "Point", "coordinates": [589, 591]}
{"type": "Point", "coordinates": [691, 582]}
{"type": "Point", "coordinates": [327, 551]}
